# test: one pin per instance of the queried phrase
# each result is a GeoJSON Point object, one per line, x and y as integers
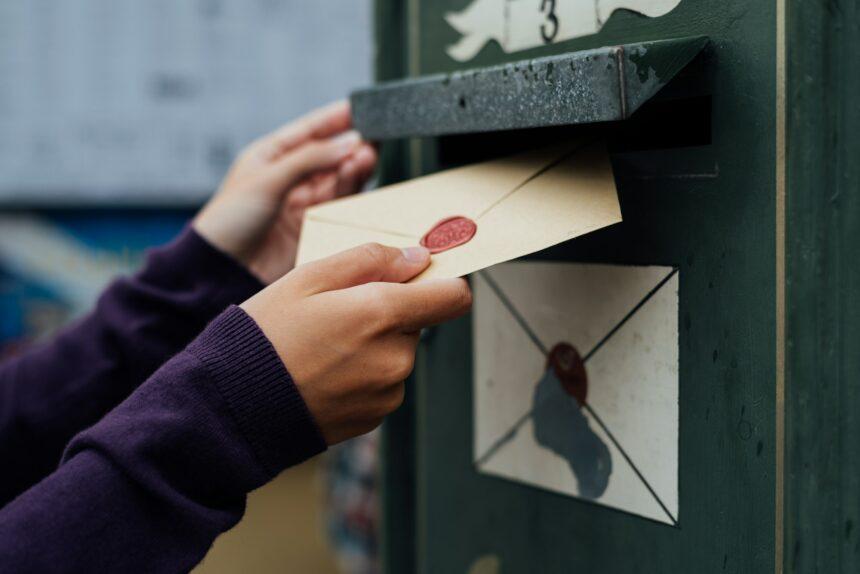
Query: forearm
{"type": "Point", "coordinates": [151, 485]}
{"type": "Point", "coordinates": [58, 389]}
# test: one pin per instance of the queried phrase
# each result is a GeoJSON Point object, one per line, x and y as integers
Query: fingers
{"type": "Point", "coordinates": [426, 303]}
{"type": "Point", "coordinates": [347, 179]}
{"type": "Point", "coordinates": [300, 197]}
{"type": "Point", "coordinates": [314, 156]}
{"type": "Point", "coordinates": [322, 123]}
{"type": "Point", "coordinates": [350, 177]}
{"type": "Point", "coordinates": [357, 170]}
{"type": "Point", "coordinates": [396, 359]}
{"type": "Point", "coordinates": [364, 264]}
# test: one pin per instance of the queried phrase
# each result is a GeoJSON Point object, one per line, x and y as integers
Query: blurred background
{"type": "Point", "coordinates": [118, 118]}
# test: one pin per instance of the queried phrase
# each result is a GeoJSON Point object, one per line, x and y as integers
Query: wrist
{"type": "Point", "coordinates": [260, 393]}
{"type": "Point", "coordinates": [217, 230]}
{"type": "Point", "coordinates": [192, 265]}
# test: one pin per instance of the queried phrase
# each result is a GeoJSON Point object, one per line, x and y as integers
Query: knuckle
{"type": "Point", "coordinates": [298, 161]}
{"type": "Point", "coordinates": [402, 365]}
{"type": "Point", "coordinates": [315, 149]}
{"type": "Point", "coordinates": [316, 152]}
{"type": "Point", "coordinates": [375, 305]}
{"type": "Point", "coordinates": [397, 397]}
{"type": "Point", "coordinates": [376, 253]}
{"type": "Point", "coordinates": [464, 297]}
{"type": "Point", "coordinates": [300, 131]}
{"type": "Point", "coordinates": [378, 305]}
{"type": "Point", "coordinates": [396, 368]}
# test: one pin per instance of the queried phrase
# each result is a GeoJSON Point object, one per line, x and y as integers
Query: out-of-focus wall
{"type": "Point", "coordinates": [146, 102]}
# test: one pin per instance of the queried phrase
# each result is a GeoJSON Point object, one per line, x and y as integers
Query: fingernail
{"type": "Point", "coordinates": [347, 142]}
{"type": "Point", "coordinates": [416, 254]}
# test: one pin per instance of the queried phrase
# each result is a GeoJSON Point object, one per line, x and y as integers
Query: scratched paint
{"type": "Point", "coordinates": [617, 444]}
{"type": "Point", "coordinates": [522, 24]}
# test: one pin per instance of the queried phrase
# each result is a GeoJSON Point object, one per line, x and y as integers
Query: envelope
{"type": "Point", "coordinates": [520, 204]}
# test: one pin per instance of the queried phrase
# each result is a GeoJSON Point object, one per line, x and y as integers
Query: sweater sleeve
{"type": "Point", "coordinates": [57, 389]}
{"type": "Point", "coordinates": [150, 486]}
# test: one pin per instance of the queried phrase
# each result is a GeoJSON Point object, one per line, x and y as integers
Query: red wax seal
{"type": "Point", "coordinates": [570, 370]}
{"type": "Point", "coordinates": [449, 233]}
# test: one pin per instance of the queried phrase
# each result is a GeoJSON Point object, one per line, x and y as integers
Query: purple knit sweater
{"type": "Point", "coordinates": [112, 464]}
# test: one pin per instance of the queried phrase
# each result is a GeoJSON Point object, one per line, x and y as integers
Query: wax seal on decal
{"type": "Point", "coordinates": [448, 233]}
{"type": "Point", "coordinates": [568, 366]}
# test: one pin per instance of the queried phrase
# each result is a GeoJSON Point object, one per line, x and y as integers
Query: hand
{"type": "Point", "coordinates": [256, 215]}
{"type": "Point", "coordinates": [347, 330]}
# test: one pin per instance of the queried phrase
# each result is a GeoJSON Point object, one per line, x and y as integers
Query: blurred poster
{"type": "Point", "coordinates": [54, 266]}
{"type": "Point", "coordinates": [146, 102]}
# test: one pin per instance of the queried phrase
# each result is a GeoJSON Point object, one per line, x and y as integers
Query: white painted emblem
{"type": "Point", "coordinates": [522, 24]}
{"type": "Point", "coordinates": [608, 435]}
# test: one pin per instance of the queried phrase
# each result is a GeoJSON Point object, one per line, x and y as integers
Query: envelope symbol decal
{"type": "Point", "coordinates": [576, 381]}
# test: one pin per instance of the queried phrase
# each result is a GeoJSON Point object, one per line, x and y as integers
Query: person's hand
{"type": "Point", "coordinates": [256, 215]}
{"type": "Point", "coordinates": [347, 329]}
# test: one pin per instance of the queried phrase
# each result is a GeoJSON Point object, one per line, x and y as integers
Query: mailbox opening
{"type": "Point", "coordinates": [663, 125]}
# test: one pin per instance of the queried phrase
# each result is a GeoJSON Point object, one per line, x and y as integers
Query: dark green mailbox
{"type": "Point", "coordinates": [676, 393]}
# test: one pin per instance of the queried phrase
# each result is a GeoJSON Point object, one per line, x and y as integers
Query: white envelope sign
{"type": "Point", "coordinates": [604, 426]}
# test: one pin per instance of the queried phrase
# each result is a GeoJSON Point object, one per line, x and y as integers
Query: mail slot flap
{"type": "Point", "coordinates": [588, 86]}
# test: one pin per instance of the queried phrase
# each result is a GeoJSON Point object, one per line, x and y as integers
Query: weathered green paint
{"type": "Point", "coordinates": [398, 465]}
{"type": "Point", "coordinates": [588, 86]}
{"type": "Point", "coordinates": [711, 210]}
{"type": "Point", "coordinates": [390, 19]}
{"type": "Point", "coordinates": [822, 491]}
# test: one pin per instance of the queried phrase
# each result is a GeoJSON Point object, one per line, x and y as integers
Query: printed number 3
{"type": "Point", "coordinates": [549, 29]}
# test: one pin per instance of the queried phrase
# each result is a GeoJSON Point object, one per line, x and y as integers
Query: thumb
{"type": "Point", "coordinates": [368, 263]}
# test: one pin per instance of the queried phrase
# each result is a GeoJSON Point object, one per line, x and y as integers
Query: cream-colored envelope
{"type": "Point", "coordinates": [521, 204]}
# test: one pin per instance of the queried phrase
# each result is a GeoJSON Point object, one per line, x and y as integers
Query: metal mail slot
{"type": "Point", "coordinates": [588, 86]}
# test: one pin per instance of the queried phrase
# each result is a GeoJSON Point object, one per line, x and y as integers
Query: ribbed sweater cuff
{"type": "Point", "coordinates": [189, 263]}
{"type": "Point", "coordinates": [259, 391]}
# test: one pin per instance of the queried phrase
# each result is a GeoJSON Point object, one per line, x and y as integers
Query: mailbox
{"type": "Point", "coordinates": [618, 403]}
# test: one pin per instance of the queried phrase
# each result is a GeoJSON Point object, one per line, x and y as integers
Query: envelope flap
{"type": "Point", "coordinates": [575, 303]}
{"type": "Point", "coordinates": [574, 196]}
{"type": "Point", "coordinates": [411, 208]}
